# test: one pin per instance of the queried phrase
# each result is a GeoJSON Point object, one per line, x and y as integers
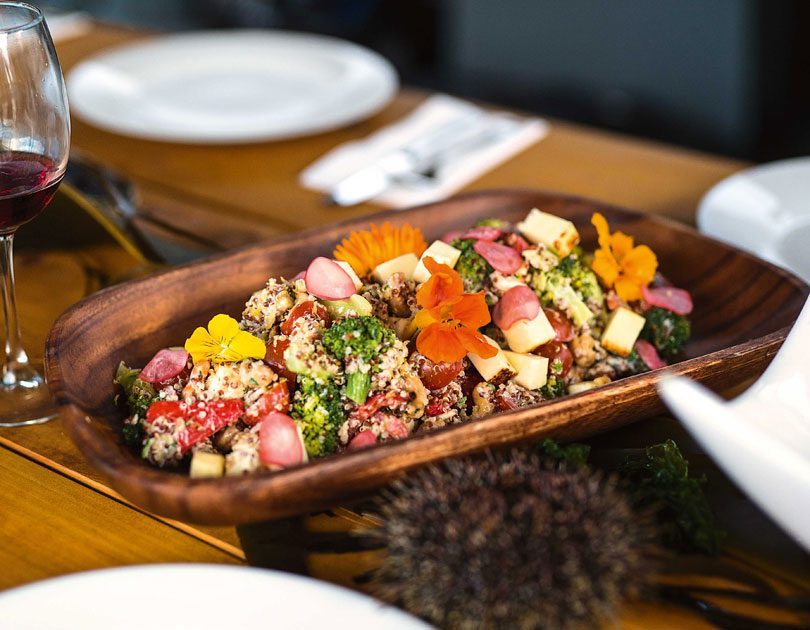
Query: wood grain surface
{"type": "Point", "coordinates": [744, 308]}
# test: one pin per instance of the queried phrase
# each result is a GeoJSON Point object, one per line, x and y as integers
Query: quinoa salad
{"type": "Point", "coordinates": [392, 336]}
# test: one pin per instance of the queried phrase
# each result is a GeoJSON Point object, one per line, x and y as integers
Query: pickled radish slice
{"type": "Point", "coordinates": [502, 258]}
{"type": "Point", "coordinates": [280, 444]}
{"type": "Point", "coordinates": [165, 365]}
{"type": "Point", "coordinates": [517, 303]}
{"type": "Point", "coordinates": [364, 439]}
{"type": "Point", "coordinates": [451, 236]}
{"type": "Point", "coordinates": [649, 355]}
{"type": "Point", "coordinates": [326, 280]}
{"type": "Point", "coordinates": [676, 300]}
{"type": "Point", "coordinates": [483, 233]}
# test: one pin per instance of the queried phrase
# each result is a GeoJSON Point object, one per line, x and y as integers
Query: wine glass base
{"type": "Point", "coordinates": [26, 402]}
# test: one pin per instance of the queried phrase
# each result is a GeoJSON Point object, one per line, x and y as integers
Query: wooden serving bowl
{"type": "Point", "coordinates": [743, 310]}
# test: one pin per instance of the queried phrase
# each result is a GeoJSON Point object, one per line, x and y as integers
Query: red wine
{"type": "Point", "coordinates": [27, 184]}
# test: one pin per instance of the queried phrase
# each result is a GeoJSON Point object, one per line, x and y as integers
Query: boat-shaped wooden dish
{"type": "Point", "coordinates": [743, 309]}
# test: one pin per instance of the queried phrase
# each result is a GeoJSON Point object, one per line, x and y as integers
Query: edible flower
{"type": "Point", "coordinates": [619, 264]}
{"type": "Point", "coordinates": [223, 341]}
{"type": "Point", "coordinates": [450, 319]}
{"type": "Point", "coordinates": [366, 249]}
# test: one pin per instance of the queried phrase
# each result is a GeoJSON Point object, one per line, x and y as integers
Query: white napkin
{"type": "Point", "coordinates": [511, 135]}
{"type": "Point", "coordinates": [65, 25]}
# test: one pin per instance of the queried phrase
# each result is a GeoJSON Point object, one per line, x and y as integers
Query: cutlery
{"type": "Point", "coordinates": [762, 438]}
{"type": "Point", "coordinates": [114, 196]}
{"type": "Point", "coordinates": [417, 162]}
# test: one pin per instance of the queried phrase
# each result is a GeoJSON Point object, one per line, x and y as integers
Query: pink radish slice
{"type": "Point", "coordinates": [280, 443]}
{"type": "Point", "coordinates": [301, 275]}
{"type": "Point", "coordinates": [395, 428]}
{"type": "Point", "coordinates": [649, 355]}
{"type": "Point", "coordinates": [452, 235]}
{"type": "Point", "coordinates": [364, 439]}
{"type": "Point", "coordinates": [326, 280]}
{"type": "Point", "coordinates": [502, 258]}
{"type": "Point", "coordinates": [165, 365]}
{"type": "Point", "coordinates": [676, 300]}
{"type": "Point", "coordinates": [483, 233]}
{"type": "Point", "coordinates": [517, 303]}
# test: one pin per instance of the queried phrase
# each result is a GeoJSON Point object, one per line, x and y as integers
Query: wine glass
{"type": "Point", "coordinates": [34, 142]}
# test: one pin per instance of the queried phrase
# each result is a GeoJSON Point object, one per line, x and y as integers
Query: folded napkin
{"type": "Point", "coordinates": [497, 136]}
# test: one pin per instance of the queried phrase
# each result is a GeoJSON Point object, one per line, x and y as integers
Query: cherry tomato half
{"type": "Point", "coordinates": [556, 350]}
{"type": "Point", "coordinates": [437, 375]}
{"type": "Point", "coordinates": [303, 308]}
{"type": "Point", "coordinates": [563, 327]}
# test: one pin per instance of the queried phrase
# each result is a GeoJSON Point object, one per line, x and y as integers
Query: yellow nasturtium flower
{"type": "Point", "coordinates": [620, 264]}
{"type": "Point", "coordinates": [223, 341]}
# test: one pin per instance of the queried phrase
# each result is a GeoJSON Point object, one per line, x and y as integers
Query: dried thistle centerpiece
{"type": "Point", "coordinates": [508, 541]}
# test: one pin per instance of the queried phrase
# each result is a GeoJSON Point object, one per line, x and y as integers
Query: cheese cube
{"type": "Point", "coordinates": [527, 334]}
{"type": "Point", "coordinates": [496, 369]}
{"type": "Point", "coordinates": [532, 370]}
{"type": "Point", "coordinates": [439, 251]}
{"type": "Point", "coordinates": [348, 269]}
{"type": "Point", "coordinates": [556, 233]}
{"type": "Point", "coordinates": [206, 465]}
{"type": "Point", "coordinates": [404, 264]}
{"type": "Point", "coordinates": [622, 330]}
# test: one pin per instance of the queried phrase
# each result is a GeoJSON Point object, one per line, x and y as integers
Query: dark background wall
{"type": "Point", "coordinates": [729, 76]}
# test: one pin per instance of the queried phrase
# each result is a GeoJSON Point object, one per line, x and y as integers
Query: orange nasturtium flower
{"type": "Point", "coordinates": [449, 319]}
{"type": "Point", "coordinates": [223, 341]}
{"type": "Point", "coordinates": [619, 264]}
{"type": "Point", "coordinates": [366, 249]}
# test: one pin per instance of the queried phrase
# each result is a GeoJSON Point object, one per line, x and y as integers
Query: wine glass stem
{"type": "Point", "coordinates": [16, 360]}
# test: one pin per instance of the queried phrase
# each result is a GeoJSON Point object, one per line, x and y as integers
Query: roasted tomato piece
{"type": "Point", "coordinates": [310, 307]}
{"type": "Point", "coordinates": [557, 350]}
{"type": "Point", "coordinates": [563, 327]}
{"type": "Point", "coordinates": [277, 399]}
{"type": "Point", "coordinates": [199, 420]}
{"type": "Point", "coordinates": [437, 375]}
{"type": "Point", "coordinates": [274, 357]}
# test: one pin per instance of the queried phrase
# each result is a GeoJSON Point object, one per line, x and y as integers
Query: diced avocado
{"type": "Point", "coordinates": [439, 251]}
{"type": "Point", "coordinates": [532, 369]}
{"type": "Point", "coordinates": [622, 330]}
{"type": "Point", "coordinates": [405, 264]}
{"type": "Point", "coordinates": [354, 304]}
{"type": "Point", "coordinates": [559, 235]}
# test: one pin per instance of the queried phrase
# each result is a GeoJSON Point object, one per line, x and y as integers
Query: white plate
{"type": "Point", "coordinates": [764, 210]}
{"type": "Point", "coordinates": [198, 596]}
{"type": "Point", "coordinates": [231, 86]}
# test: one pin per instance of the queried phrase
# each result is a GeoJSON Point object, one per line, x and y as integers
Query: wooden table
{"type": "Point", "coordinates": [56, 514]}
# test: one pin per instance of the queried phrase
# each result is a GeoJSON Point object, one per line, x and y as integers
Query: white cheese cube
{"type": "Point", "coordinates": [496, 369]}
{"type": "Point", "coordinates": [527, 334]}
{"type": "Point", "coordinates": [622, 330]}
{"type": "Point", "coordinates": [348, 269]}
{"type": "Point", "coordinates": [532, 370]}
{"type": "Point", "coordinates": [439, 251]}
{"type": "Point", "coordinates": [559, 235]}
{"type": "Point", "coordinates": [404, 264]}
{"type": "Point", "coordinates": [206, 465]}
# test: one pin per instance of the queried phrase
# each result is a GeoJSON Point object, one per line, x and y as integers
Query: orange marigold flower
{"type": "Point", "coordinates": [449, 318]}
{"type": "Point", "coordinates": [619, 264]}
{"type": "Point", "coordinates": [366, 249]}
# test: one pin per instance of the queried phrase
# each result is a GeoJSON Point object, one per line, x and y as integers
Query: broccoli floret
{"type": "Point", "coordinates": [575, 267]}
{"type": "Point", "coordinates": [574, 455]}
{"type": "Point", "coordinates": [317, 408]}
{"type": "Point", "coordinates": [138, 395]}
{"type": "Point", "coordinates": [554, 387]}
{"type": "Point", "coordinates": [666, 330]}
{"type": "Point", "coordinates": [555, 289]}
{"type": "Point", "coordinates": [358, 341]}
{"type": "Point", "coordinates": [471, 266]}
{"type": "Point", "coordinates": [634, 364]}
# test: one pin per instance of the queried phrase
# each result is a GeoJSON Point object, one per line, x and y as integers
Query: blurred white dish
{"type": "Point", "coordinates": [231, 86]}
{"type": "Point", "coordinates": [198, 596]}
{"type": "Point", "coordinates": [761, 438]}
{"type": "Point", "coordinates": [764, 210]}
